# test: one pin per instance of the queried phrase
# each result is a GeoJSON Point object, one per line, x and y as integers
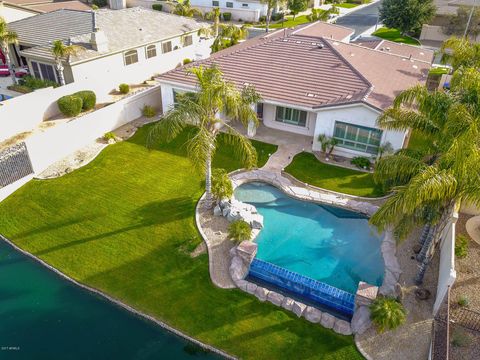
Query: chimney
{"type": "Point", "coordinates": [98, 39]}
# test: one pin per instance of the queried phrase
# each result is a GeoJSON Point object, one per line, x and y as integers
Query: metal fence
{"type": "Point", "coordinates": [441, 331]}
{"type": "Point", "coordinates": [14, 164]}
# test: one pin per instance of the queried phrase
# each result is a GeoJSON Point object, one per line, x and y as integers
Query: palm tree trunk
{"type": "Point", "coordinates": [208, 183]}
{"type": "Point", "coordinates": [269, 14]}
{"type": "Point", "coordinates": [10, 65]}
{"type": "Point", "coordinates": [61, 76]}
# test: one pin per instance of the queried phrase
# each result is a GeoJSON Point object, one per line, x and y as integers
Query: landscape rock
{"type": "Point", "coordinates": [242, 284]}
{"type": "Point", "coordinates": [342, 327]}
{"type": "Point", "coordinates": [247, 251]}
{"type": "Point", "coordinates": [217, 211]}
{"type": "Point", "coordinates": [361, 320]}
{"type": "Point", "coordinates": [238, 269]}
{"type": "Point", "coordinates": [298, 308]}
{"type": "Point", "coordinates": [261, 293]}
{"type": "Point", "coordinates": [275, 298]}
{"type": "Point", "coordinates": [251, 288]}
{"type": "Point", "coordinates": [312, 314]}
{"type": "Point", "coordinates": [327, 321]}
{"type": "Point", "coordinates": [225, 212]}
{"type": "Point", "coordinates": [256, 221]}
{"type": "Point", "coordinates": [287, 303]}
{"type": "Point", "coordinates": [389, 282]}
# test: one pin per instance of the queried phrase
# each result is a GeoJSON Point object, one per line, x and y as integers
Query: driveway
{"type": "Point", "coordinates": [361, 20]}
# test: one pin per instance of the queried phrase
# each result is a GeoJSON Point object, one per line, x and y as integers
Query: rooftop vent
{"type": "Point", "coordinates": [311, 95]}
{"type": "Point", "coordinates": [349, 96]}
{"type": "Point", "coordinates": [321, 46]}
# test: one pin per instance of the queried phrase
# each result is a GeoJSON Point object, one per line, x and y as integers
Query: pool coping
{"type": "Point", "coordinates": [119, 303]}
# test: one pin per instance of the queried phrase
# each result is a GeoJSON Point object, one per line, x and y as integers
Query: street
{"type": "Point", "coordinates": [360, 20]}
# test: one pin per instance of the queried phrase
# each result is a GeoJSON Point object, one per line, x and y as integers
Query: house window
{"type": "Point", "coordinates": [229, 4]}
{"type": "Point", "coordinates": [47, 72]}
{"type": "Point", "coordinates": [358, 138]}
{"type": "Point", "coordinates": [245, 5]}
{"type": "Point", "coordinates": [187, 40]}
{"type": "Point", "coordinates": [166, 47]}
{"type": "Point", "coordinates": [260, 110]}
{"type": "Point", "coordinates": [131, 57]}
{"type": "Point", "coordinates": [150, 51]}
{"type": "Point", "coordinates": [291, 116]}
{"type": "Point", "coordinates": [215, 3]}
{"type": "Point", "coordinates": [177, 95]}
{"type": "Point", "coordinates": [36, 70]}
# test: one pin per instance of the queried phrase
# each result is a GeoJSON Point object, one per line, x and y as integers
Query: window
{"type": "Point", "coordinates": [229, 4]}
{"type": "Point", "coordinates": [177, 95]}
{"type": "Point", "coordinates": [150, 51]}
{"type": "Point", "coordinates": [358, 138]}
{"type": "Point", "coordinates": [291, 116]}
{"type": "Point", "coordinates": [47, 72]}
{"type": "Point", "coordinates": [187, 40]}
{"type": "Point", "coordinates": [131, 57]}
{"type": "Point", "coordinates": [166, 47]}
{"type": "Point", "coordinates": [244, 5]}
{"type": "Point", "coordinates": [260, 110]}
{"type": "Point", "coordinates": [216, 3]}
{"type": "Point", "coordinates": [36, 70]}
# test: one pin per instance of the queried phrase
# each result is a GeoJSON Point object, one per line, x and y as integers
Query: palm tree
{"type": "Point", "coordinates": [227, 35]}
{"type": "Point", "coordinates": [185, 9]}
{"type": "Point", "coordinates": [7, 38]}
{"type": "Point", "coordinates": [214, 96]}
{"type": "Point", "coordinates": [430, 184]}
{"type": "Point", "coordinates": [271, 5]}
{"type": "Point", "coordinates": [322, 15]}
{"type": "Point", "coordinates": [461, 52]}
{"type": "Point", "coordinates": [214, 16]}
{"type": "Point", "coordinates": [62, 52]}
{"type": "Point", "coordinates": [387, 313]}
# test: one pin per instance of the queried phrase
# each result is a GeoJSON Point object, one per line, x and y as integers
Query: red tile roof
{"type": "Point", "coordinates": [325, 30]}
{"type": "Point", "coordinates": [394, 48]}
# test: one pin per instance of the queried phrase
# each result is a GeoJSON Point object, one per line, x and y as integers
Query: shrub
{"type": "Point", "coordinates": [387, 313]}
{"type": "Point", "coordinates": [227, 16]}
{"type": "Point", "coordinates": [70, 105]}
{"type": "Point", "coordinates": [459, 338]}
{"type": "Point", "coordinates": [361, 162]}
{"type": "Point", "coordinates": [19, 88]}
{"type": "Point", "coordinates": [95, 7]}
{"type": "Point", "coordinates": [89, 99]}
{"type": "Point", "coordinates": [262, 18]}
{"type": "Point", "coordinates": [100, 3]}
{"type": "Point", "coordinates": [124, 88]}
{"type": "Point", "coordinates": [109, 135]}
{"type": "Point", "coordinates": [239, 231]}
{"type": "Point", "coordinates": [157, 7]}
{"type": "Point", "coordinates": [148, 111]}
{"type": "Point", "coordinates": [187, 61]}
{"type": "Point", "coordinates": [221, 184]}
{"type": "Point", "coordinates": [34, 83]}
{"type": "Point", "coordinates": [277, 16]}
{"type": "Point", "coordinates": [461, 246]}
{"type": "Point", "coordinates": [463, 301]}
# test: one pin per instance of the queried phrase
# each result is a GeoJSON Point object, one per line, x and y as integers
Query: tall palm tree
{"type": "Point", "coordinates": [214, 96]}
{"type": "Point", "coordinates": [461, 52]}
{"type": "Point", "coordinates": [62, 52]}
{"type": "Point", "coordinates": [226, 35]}
{"type": "Point", "coordinates": [446, 173]}
{"type": "Point", "coordinates": [185, 9]}
{"type": "Point", "coordinates": [214, 16]}
{"type": "Point", "coordinates": [271, 5]}
{"type": "Point", "coordinates": [7, 38]}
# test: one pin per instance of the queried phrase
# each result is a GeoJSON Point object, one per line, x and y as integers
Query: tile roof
{"type": "Point", "coordinates": [324, 29]}
{"type": "Point", "coordinates": [52, 6]}
{"type": "Point", "coordinates": [295, 70]}
{"type": "Point", "coordinates": [416, 52]}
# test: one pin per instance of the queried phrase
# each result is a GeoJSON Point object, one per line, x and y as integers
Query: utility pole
{"type": "Point", "coordinates": [469, 19]}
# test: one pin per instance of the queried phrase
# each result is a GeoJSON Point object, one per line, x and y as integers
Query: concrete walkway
{"type": "Point", "coordinates": [282, 157]}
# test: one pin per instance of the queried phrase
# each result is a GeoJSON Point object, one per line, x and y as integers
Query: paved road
{"type": "Point", "coordinates": [360, 20]}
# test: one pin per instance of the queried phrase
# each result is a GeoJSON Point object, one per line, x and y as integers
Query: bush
{"type": "Point", "coordinates": [187, 61]}
{"type": "Point", "coordinates": [100, 3]}
{"type": "Point", "coordinates": [463, 301]}
{"type": "Point", "coordinates": [461, 246]}
{"type": "Point", "coordinates": [148, 111]}
{"type": "Point", "coordinates": [95, 7]}
{"type": "Point", "coordinates": [70, 105]}
{"type": "Point", "coordinates": [109, 135]}
{"type": "Point", "coordinates": [387, 313]}
{"type": "Point", "coordinates": [459, 338]}
{"type": "Point", "coordinates": [277, 16]}
{"type": "Point", "coordinates": [221, 184]}
{"type": "Point", "coordinates": [227, 16]}
{"type": "Point", "coordinates": [89, 99]}
{"type": "Point", "coordinates": [262, 18]}
{"type": "Point", "coordinates": [34, 83]}
{"type": "Point", "coordinates": [157, 7]}
{"type": "Point", "coordinates": [361, 162]}
{"type": "Point", "coordinates": [239, 231]}
{"type": "Point", "coordinates": [124, 88]}
{"type": "Point", "coordinates": [20, 88]}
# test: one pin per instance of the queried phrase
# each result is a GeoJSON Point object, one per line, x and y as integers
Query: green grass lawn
{"type": "Point", "coordinates": [125, 224]}
{"type": "Point", "coordinates": [346, 5]}
{"type": "Point", "coordinates": [289, 22]}
{"type": "Point", "coordinates": [419, 141]}
{"type": "Point", "coordinates": [307, 168]}
{"type": "Point", "coordinates": [394, 35]}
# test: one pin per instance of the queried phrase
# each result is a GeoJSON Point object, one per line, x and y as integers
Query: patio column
{"type": "Point", "coordinates": [252, 129]}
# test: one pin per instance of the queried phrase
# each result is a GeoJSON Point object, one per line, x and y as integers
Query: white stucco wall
{"type": "Point", "coordinates": [167, 94]}
{"type": "Point", "coordinates": [269, 114]}
{"type": "Point", "coordinates": [11, 13]}
{"type": "Point", "coordinates": [237, 5]}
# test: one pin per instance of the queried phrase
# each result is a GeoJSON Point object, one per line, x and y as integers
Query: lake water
{"type": "Point", "coordinates": [43, 316]}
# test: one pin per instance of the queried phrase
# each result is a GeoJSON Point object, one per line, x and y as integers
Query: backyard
{"type": "Point", "coordinates": [125, 224]}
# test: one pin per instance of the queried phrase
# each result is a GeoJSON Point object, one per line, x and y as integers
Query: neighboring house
{"type": "Point", "coordinates": [13, 10]}
{"type": "Point", "coordinates": [128, 45]}
{"type": "Point", "coordinates": [313, 84]}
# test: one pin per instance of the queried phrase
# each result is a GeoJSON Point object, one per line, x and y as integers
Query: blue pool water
{"type": "Point", "coordinates": [326, 243]}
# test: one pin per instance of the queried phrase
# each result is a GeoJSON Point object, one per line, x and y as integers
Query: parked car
{"type": "Point", "coordinates": [19, 73]}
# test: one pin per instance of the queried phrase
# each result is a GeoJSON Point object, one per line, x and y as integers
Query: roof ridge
{"type": "Point", "coordinates": [300, 28]}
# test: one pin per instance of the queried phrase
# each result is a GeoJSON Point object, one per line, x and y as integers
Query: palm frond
{"type": "Point", "coordinates": [242, 147]}
{"type": "Point", "coordinates": [401, 119]}
{"type": "Point", "coordinates": [397, 169]}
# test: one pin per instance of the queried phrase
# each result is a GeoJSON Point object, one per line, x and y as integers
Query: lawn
{"type": "Point", "coordinates": [289, 22]}
{"type": "Point", "coordinates": [125, 224]}
{"type": "Point", "coordinates": [306, 167]}
{"type": "Point", "coordinates": [419, 141]}
{"type": "Point", "coordinates": [346, 5]}
{"type": "Point", "coordinates": [395, 36]}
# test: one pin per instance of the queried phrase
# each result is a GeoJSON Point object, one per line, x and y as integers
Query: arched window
{"type": "Point", "coordinates": [150, 51]}
{"type": "Point", "coordinates": [131, 57]}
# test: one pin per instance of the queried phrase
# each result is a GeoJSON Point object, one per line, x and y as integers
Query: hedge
{"type": "Point", "coordinates": [157, 7]}
{"type": "Point", "coordinates": [89, 99]}
{"type": "Point", "coordinates": [70, 105]}
{"type": "Point", "coordinates": [227, 16]}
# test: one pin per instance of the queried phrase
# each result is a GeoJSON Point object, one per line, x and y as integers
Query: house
{"type": "Point", "coordinates": [312, 85]}
{"type": "Point", "coordinates": [128, 45]}
{"type": "Point", "coordinates": [13, 10]}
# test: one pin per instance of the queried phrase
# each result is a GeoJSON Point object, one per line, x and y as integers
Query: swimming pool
{"type": "Point", "coordinates": [325, 243]}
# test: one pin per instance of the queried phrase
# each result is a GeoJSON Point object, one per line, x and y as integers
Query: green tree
{"type": "Point", "coordinates": [407, 16]}
{"type": "Point", "coordinates": [387, 313]}
{"type": "Point", "coordinates": [271, 6]}
{"type": "Point", "coordinates": [7, 38]}
{"type": "Point", "coordinates": [185, 9]}
{"type": "Point", "coordinates": [227, 35]}
{"type": "Point", "coordinates": [214, 16]}
{"type": "Point", "coordinates": [461, 53]}
{"type": "Point", "coordinates": [322, 15]}
{"type": "Point", "coordinates": [62, 52]}
{"type": "Point", "coordinates": [215, 96]}
{"type": "Point", "coordinates": [221, 184]}
{"type": "Point", "coordinates": [458, 22]}
{"type": "Point", "coordinates": [297, 6]}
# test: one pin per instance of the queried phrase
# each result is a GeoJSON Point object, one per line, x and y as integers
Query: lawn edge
{"type": "Point", "coordinates": [119, 303]}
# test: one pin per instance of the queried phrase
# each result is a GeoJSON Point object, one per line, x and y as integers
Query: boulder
{"type": "Point", "coordinates": [287, 303]}
{"type": "Point", "coordinates": [389, 282]}
{"type": "Point", "coordinates": [327, 320]}
{"type": "Point", "coordinates": [256, 221]}
{"type": "Point", "coordinates": [298, 308]}
{"type": "Point", "coordinates": [361, 320]}
{"type": "Point", "coordinates": [261, 293]}
{"type": "Point", "coordinates": [233, 215]}
{"type": "Point", "coordinates": [275, 298]}
{"type": "Point", "coordinates": [217, 211]}
{"type": "Point", "coordinates": [242, 284]}
{"type": "Point", "coordinates": [238, 269]}
{"type": "Point", "coordinates": [251, 288]}
{"type": "Point", "coordinates": [233, 251]}
{"type": "Point", "coordinates": [225, 212]}
{"type": "Point", "coordinates": [342, 327]}
{"type": "Point", "coordinates": [247, 251]}
{"type": "Point", "coordinates": [224, 203]}
{"type": "Point", "coordinates": [312, 314]}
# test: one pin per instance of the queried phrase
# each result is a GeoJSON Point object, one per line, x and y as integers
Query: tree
{"type": "Point", "coordinates": [297, 6]}
{"type": "Point", "coordinates": [271, 5]}
{"type": "Point", "coordinates": [322, 15]}
{"type": "Point", "coordinates": [214, 96]}
{"type": "Point", "coordinates": [62, 52]}
{"type": "Point", "coordinates": [7, 38]}
{"type": "Point", "coordinates": [221, 184]}
{"type": "Point", "coordinates": [214, 16]}
{"type": "Point", "coordinates": [457, 23]}
{"type": "Point", "coordinates": [185, 9]}
{"type": "Point", "coordinates": [384, 149]}
{"type": "Point", "coordinates": [407, 16]}
{"type": "Point", "coordinates": [227, 35]}
{"type": "Point", "coordinates": [387, 313]}
{"type": "Point", "coordinates": [461, 53]}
